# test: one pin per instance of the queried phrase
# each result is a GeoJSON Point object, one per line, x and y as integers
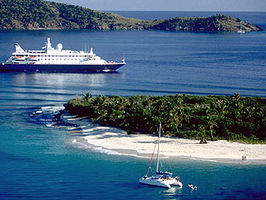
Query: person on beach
{"type": "Point", "coordinates": [203, 140]}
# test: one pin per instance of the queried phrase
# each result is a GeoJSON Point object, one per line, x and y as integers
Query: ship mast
{"type": "Point", "coordinates": [158, 150]}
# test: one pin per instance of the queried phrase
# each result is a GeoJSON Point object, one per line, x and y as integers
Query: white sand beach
{"type": "Point", "coordinates": [143, 145]}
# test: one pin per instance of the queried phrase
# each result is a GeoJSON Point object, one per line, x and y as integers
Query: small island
{"type": "Point", "coordinates": [44, 15]}
{"type": "Point", "coordinates": [232, 118]}
{"type": "Point", "coordinates": [185, 119]}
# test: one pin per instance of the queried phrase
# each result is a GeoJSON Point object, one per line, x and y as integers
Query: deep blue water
{"type": "Point", "coordinates": [40, 162]}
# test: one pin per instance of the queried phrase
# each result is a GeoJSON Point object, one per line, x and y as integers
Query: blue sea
{"type": "Point", "coordinates": [38, 159]}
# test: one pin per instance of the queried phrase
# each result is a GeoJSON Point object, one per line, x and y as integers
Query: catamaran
{"type": "Point", "coordinates": [160, 179]}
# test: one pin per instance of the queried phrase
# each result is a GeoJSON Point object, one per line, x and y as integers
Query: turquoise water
{"type": "Point", "coordinates": [38, 159]}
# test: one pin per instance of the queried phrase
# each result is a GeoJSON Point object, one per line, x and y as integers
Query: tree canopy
{"type": "Point", "coordinates": [214, 117]}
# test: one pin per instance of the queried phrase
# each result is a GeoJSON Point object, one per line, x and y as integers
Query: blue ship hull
{"type": "Point", "coordinates": [72, 68]}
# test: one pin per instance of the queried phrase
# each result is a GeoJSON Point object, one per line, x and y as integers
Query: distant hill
{"type": "Point", "coordinates": [40, 14]}
{"type": "Point", "coordinates": [212, 24]}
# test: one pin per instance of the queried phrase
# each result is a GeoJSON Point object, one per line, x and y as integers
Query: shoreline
{"type": "Point", "coordinates": [115, 141]}
{"type": "Point", "coordinates": [135, 153]}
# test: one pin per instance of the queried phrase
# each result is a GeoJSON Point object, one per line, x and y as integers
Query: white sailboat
{"type": "Point", "coordinates": [160, 179]}
{"type": "Point", "coordinates": [241, 29]}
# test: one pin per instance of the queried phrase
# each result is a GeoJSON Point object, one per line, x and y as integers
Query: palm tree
{"type": "Point", "coordinates": [211, 124]}
{"type": "Point", "coordinates": [87, 96]}
{"type": "Point", "coordinates": [211, 118]}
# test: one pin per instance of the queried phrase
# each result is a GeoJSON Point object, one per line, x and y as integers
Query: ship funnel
{"type": "Point", "coordinates": [18, 48]}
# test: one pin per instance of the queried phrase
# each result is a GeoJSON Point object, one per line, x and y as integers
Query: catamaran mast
{"type": "Point", "coordinates": [158, 150]}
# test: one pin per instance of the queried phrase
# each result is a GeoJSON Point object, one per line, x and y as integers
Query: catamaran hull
{"type": "Point", "coordinates": [159, 182]}
{"type": "Point", "coordinates": [154, 182]}
{"type": "Point", "coordinates": [177, 183]}
{"type": "Point", "coordinates": [80, 68]}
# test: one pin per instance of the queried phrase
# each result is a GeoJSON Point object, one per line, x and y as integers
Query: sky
{"type": "Point", "coordinates": [170, 5]}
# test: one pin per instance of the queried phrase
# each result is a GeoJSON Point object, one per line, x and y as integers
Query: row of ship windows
{"type": "Point", "coordinates": [61, 59]}
{"type": "Point", "coordinates": [56, 55]}
{"type": "Point", "coordinates": [62, 56]}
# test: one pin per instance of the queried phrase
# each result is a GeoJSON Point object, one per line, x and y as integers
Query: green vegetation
{"type": "Point", "coordinates": [40, 14]}
{"type": "Point", "coordinates": [233, 118]}
{"type": "Point", "coordinates": [211, 24]}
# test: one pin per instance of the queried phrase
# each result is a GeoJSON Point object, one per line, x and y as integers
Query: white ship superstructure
{"type": "Point", "coordinates": [57, 59]}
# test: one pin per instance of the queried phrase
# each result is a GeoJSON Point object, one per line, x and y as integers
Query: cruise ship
{"type": "Point", "coordinates": [51, 59]}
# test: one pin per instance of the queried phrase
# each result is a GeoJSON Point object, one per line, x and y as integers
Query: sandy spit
{"type": "Point", "coordinates": [142, 145]}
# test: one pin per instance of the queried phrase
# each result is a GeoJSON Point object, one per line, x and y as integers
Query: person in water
{"type": "Point", "coordinates": [192, 187]}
